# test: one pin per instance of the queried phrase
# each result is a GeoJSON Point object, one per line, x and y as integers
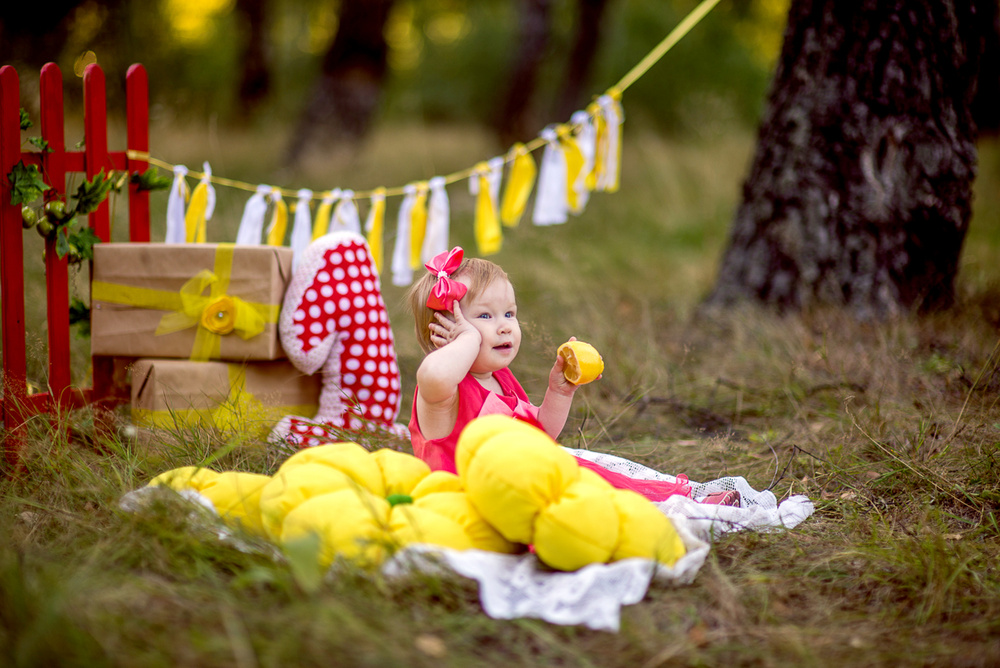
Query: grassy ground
{"type": "Point", "coordinates": [893, 429]}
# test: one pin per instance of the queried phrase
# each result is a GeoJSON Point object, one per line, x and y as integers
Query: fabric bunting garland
{"type": "Point", "coordinates": [252, 222]}
{"type": "Point", "coordinates": [201, 208]}
{"type": "Point", "coordinates": [520, 181]}
{"type": "Point", "coordinates": [175, 207]}
{"type": "Point", "coordinates": [374, 228]}
{"type": "Point", "coordinates": [489, 237]}
{"type": "Point", "coordinates": [550, 200]}
{"type": "Point", "coordinates": [302, 227]}
{"type": "Point", "coordinates": [402, 272]}
{"type": "Point", "coordinates": [322, 222]}
{"type": "Point", "coordinates": [279, 220]}
{"type": "Point", "coordinates": [418, 224]}
{"type": "Point", "coordinates": [438, 220]}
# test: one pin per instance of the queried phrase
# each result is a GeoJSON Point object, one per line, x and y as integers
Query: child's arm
{"type": "Point", "coordinates": [456, 344]}
{"type": "Point", "coordinates": [554, 411]}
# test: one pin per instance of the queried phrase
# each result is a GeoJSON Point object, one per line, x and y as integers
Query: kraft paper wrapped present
{"type": "Point", "coordinates": [188, 301]}
{"type": "Point", "coordinates": [247, 398]}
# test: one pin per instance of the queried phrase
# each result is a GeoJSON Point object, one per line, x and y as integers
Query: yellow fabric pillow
{"type": "Point", "coordinates": [236, 497]}
{"type": "Point", "coordinates": [350, 523]}
{"type": "Point", "coordinates": [185, 477]}
{"type": "Point", "coordinates": [362, 506]}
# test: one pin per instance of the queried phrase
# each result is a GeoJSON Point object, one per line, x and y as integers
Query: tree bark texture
{"type": "Point", "coordinates": [347, 93]}
{"type": "Point", "coordinates": [859, 192]}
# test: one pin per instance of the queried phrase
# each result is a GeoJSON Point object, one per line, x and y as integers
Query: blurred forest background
{"type": "Point", "coordinates": [254, 62]}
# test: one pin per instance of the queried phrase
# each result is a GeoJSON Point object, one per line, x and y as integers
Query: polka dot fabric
{"type": "Point", "coordinates": [334, 322]}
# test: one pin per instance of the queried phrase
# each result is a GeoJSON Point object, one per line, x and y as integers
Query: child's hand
{"type": "Point", "coordinates": [448, 328]}
{"type": "Point", "coordinates": [557, 380]}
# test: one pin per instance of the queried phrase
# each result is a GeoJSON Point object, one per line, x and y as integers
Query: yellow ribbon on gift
{"type": "Point", "coordinates": [215, 314]}
{"type": "Point", "coordinates": [519, 184]}
{"type": "Point", "coordinates": [240, 412]}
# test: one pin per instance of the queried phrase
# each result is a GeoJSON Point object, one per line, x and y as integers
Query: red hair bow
{"type": "Point", "coordinates": [446, 290]}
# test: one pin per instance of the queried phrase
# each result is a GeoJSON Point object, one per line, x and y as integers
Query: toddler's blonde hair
{"type": "Point", "coordinates": [480, 273]}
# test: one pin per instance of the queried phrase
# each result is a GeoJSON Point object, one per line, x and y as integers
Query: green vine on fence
{"type": "Point", "coordinates": [49, 214]}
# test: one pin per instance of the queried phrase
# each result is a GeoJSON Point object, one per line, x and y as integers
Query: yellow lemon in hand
{"type": "Point", "coordinates": [583, 363]}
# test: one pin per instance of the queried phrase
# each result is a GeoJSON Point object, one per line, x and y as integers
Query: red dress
{"type": "Point", "coordinates": [474, 400]}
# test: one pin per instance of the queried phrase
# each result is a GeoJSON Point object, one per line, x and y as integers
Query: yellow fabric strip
{"type": "Point", "coordinates": [600, 129]}
{"type": "Point", "coordinates": [489, 237]}
{"type": "Point", "coordinates": [279, 224]}
{"type": "Point", "coordinates": [520, 181]}
{"type": "Point", "coordinates": [574, 165]}
{"type": "Point", "coordinates": [322, 222]}
{"type": "Point", "coordinates": [376, 218]}
{"type": "Point", "coordinates": [194, 219]}
{"type": "Point", "coordinates": [418, 225]}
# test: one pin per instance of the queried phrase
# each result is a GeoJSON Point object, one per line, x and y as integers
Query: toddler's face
{"type": "Point", "coordinates": [493, 313]}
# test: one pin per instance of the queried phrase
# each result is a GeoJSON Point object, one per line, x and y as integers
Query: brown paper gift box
{"type": "Point", "coordinates": [247, 398]}
{"type": "Point", "coordinates": [188, 301]}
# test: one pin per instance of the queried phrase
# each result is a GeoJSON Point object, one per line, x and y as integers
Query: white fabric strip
{"type": "Point", "coordinates": [438, 220]}
{"type": "Point", "coordinates": [176, 233]}
{"type": "Point", "coordinates": [550, 199]}
{"type": "Point", "coordinates": [252, 223]}
{"type": "Point", "coordinates": [302, 228]}
{"type": "Point", "coordinates": [402, 273]}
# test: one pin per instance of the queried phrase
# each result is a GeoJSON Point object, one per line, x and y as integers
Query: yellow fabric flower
{"type": "Point", "coordinates": [219, 317]}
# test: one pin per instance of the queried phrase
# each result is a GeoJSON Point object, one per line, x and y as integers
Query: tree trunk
{"type": "Point", "coordinates": [255, 79]}
{"type": "Point", "coordinates": [585, 40]}
{"type": "Point", "coordinates": [346, 95]}
{"type": "Point", "coordinates": [859, 193]}
{"type": "Point", "coordinates": [514, 121]}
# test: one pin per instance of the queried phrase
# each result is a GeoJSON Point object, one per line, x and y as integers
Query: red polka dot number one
{"type": "Point", "coordinates": [334, 322]}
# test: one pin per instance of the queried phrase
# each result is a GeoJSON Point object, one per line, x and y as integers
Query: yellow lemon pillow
{"type": "Point", "coordinates": [533, 491]}
{"type": "Point", "coordinates": [360, 505]}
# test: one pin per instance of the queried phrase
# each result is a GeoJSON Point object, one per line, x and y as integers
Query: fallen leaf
{"type": "Point", "coordinates": [430, 645]}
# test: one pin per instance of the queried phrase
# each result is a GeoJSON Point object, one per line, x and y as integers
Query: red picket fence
{"type": "Point", "coordinates": [17, 404]}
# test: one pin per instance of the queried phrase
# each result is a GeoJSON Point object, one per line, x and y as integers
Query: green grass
{"type": "Point", "coordinates": [893, 430]}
